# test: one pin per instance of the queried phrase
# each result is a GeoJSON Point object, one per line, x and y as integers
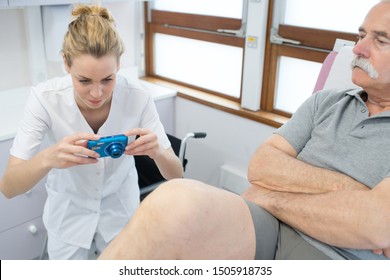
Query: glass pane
{"type": "Point", "coordinates": [293, 87]}
{"type": "Point", "coordinates": [338, 15]}
{"type": "Point", "coordinates": [207, 65]}
{"type": "Point", "coordinates": [220, 8]}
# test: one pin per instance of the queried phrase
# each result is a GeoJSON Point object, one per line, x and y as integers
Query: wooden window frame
{"type": "Point", "coordinates": [198, 27]}
{"type": "Point", "coordinates": [315, 45]}
{"type": "Point", "coordinates": [268, 100]}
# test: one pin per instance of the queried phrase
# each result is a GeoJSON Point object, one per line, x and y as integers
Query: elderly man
{"type": "Point", "coordinates": [320, 186]}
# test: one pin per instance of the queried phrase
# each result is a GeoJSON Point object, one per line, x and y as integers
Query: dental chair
{"type": "Point", "coordinates": [336, 71]}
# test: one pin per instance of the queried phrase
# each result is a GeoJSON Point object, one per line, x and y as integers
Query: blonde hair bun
{"type": "Point", "coordinates": [92, 10]}
{"type": "Point", "coordinates": [92, 32]}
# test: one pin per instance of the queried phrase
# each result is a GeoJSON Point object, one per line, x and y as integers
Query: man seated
{"type": "Point", "coordinates": [320, 186]}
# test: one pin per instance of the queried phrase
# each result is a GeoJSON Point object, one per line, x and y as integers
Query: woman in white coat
{"type": "Point", "coordinates": [89, 198]}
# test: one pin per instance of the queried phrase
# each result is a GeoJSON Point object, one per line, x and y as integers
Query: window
{"type": "Point", "coordinates": [313, 37]}
{"type": "Point", "coordinates": [188, 44]}
{"type": "Point", "coordinates": [233, 49]}
{"type": "Point", "coordinates": [199, 63]}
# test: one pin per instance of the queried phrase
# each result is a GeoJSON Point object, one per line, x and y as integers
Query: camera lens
{"type": "Point", "coordinates": [115, 150]}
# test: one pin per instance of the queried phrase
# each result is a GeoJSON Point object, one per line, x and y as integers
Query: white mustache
{"type": "Point", "coordinates": [365, 65]}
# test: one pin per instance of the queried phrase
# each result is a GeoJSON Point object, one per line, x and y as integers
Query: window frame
{"type": "Point", "coordinates": [189, 26]}
{"type": "Point", "coordinates": [315, 45]}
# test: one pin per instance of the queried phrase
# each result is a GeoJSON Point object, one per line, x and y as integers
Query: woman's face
{"type": "Point", "coordinates": [94, 80]}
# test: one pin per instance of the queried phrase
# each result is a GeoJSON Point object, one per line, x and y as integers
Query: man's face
{"type": "Point", "coordinates": [373, 50]}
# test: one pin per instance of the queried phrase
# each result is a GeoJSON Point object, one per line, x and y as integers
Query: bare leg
{"type": "Point", "coordinates": [187, 219]}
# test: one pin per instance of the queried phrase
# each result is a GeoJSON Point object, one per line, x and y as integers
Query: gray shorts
{"type": "Point", "coordinates": [276, 240]}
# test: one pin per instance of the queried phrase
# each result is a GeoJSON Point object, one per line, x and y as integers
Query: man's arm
{"type": "Point", "coordinates": [274, 166]}
{"type": "Point", "coordinates": [347, 218]}
{"type": "Point", "coordinates": [324, 204]}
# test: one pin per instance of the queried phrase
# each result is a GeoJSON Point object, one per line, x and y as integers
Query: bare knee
{"type": "Point", "coordinates": [205, 221]}
{"type": "Point", "coordinates": [187, 219]}
{"type": "Point", "coordinates": [175, 202]}
{"type": "Point", "coordinates": [174, 191]}
{"type": "Point", "coordinates": [158, 221]}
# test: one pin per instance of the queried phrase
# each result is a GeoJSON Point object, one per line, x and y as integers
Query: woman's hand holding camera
{"type": "Point", "coordinates": [71, 151]}
{"type": "Point", "coordinates": [145, 144]}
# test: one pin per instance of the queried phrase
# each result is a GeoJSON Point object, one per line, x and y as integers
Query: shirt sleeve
{"type": "Point", "coordinates": [297, 131]}
{"type": "Point", "coordinates": [32, 129]}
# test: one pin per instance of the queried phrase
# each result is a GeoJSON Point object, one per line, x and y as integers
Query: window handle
{"type": "Point", "coordinates": [237, 32]}
{"type": "Point", "coordinates": [277, 39]}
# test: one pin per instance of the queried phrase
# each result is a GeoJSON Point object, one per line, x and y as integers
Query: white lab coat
{"type": "Point", "coordinates": [87, 198]}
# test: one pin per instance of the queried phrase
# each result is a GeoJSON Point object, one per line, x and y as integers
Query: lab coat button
{"type": "Point", "coordinates": [363, 110]}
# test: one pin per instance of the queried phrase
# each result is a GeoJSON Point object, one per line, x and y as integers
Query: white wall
{"type": "Point", "coordinates": [230, 140]}
{"type": "Point", "coordinates": [14, 66]}
{"type": "Point", "coordinates": [14, 53]}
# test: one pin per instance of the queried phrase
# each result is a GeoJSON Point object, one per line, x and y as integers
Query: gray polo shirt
{"type": "Point", "coordinates": [333, 130]}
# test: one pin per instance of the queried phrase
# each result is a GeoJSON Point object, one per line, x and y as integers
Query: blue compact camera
{"type": "Point", "coordinates": [113, 146]}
